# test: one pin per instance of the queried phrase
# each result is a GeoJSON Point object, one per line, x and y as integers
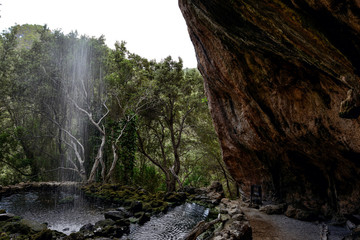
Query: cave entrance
{"type": "Point", "coordinates": [256, 194]}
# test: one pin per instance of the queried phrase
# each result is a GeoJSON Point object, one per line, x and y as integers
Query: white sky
{"type": "Point", "coordinates": [153, 29]}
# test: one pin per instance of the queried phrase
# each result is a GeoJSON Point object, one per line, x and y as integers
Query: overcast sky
{"type": "Point", "coordinates": [152, 28]}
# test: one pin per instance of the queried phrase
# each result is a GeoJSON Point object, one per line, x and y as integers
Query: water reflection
{"type": "Point", "coordinates": [67, 212]}
{"type": "Point", "coordinates": [62, 211]}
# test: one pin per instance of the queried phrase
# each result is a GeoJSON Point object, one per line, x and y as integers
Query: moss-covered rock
{"type": "Point", "coordinates": [44, 235]}
{"type": "Point", "coordinates": [67, 200]}
{"type": "Point", "coordinates": [33, 225]}
{"type": "Point", "coordinates": [135, 200]}
{"type": "Point", "coordinates": [16, 227]}
{"type": "Point", "coordinates": [175, 197]}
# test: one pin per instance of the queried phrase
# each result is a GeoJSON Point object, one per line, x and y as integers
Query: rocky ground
{"type": "Point", "coordinates": [230, 219]}
{"type": "Point", "coordinates": [279, 227]}
{"type": "Point", "coordinates": [272, 222]}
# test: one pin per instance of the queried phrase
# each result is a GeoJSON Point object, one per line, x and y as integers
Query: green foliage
{"type": "Point", "coordinates": [168, 131]}
{"type": "Point", "coordinates": [148, 178]}
{"type": "Point", "coordinates": [27, 34]}
{"type": "Point", "coordinates": [13, 164]}
{"type": "Point", "coordinates": [158, 113]}
{"type": "Point", "coordinates": [127, 146]}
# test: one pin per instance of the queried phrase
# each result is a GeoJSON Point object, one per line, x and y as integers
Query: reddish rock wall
{"type": "Point", "coordinates": [277, 74]}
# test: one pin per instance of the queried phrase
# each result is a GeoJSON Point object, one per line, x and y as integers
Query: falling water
{"type": "Point", "coordinates": [75, 89]}
{"type": "Point", "coordinates": [80, 78]}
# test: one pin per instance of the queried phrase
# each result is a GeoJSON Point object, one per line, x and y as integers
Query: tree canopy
{"type": "Point", "coordinates": [73, 109]}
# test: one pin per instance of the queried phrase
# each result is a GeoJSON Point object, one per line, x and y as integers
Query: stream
{"type": "Point", "coordinates": [175, 224]}
{"type": "Point", "coordinates": [67, 212]}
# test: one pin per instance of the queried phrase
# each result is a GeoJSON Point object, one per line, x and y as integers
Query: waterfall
{"type": "Point", "coordinates": [80, 78]}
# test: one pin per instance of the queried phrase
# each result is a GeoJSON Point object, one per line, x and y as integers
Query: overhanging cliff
{"type": "Point", "coordinates": [282, 80]}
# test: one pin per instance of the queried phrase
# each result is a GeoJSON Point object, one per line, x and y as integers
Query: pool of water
{"type": "Point", "coordinates": [175, 224]}
{"type": "Point", "coordinates": [63, 211]}
{"type": "Point", "coordinates": [67, 212]}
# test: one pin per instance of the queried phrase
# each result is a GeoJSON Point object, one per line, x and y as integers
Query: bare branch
{"type": "Point", "coordinates": [113, 165]}
{"type": "Point", "coordinates": [63, 168]}
{"type": "Point", "coordinates": [182, 126]}
{"type": "Point", "coordinates": [142, 150]}
{"type": "Point", "coordinates": [176, 176]}
{"type": "Point", "coordinates": [84, 88]}
{"type": "Point", "coordinates": [98, 160]}
{"type": "Point", "coordinates": [89, 116]}
{"type": "Point", "coordinates": [79, 158]}
{"type": "Point", "coordinates": [70, 135]}
{"type": "Point", "coordinates": [107, 112]}
{"type": "Point", "coordinates": [200, 228]}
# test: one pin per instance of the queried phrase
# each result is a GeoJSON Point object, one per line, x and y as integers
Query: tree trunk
{"type": "Point", "coordinates": [176, 177]}
{"type": "Point", "coordinates": [200, 228]}
{"type": "Point", "coordinates": [113, 165]}
{"type": "Point", "coordinates": [98, 159]}
{"type": "Point", "coordinates": [170, 182]}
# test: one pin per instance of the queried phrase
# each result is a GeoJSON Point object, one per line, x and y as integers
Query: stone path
{"type": "Point", "coordinates": [280, 227]}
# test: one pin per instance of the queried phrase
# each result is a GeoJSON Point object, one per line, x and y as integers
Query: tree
{"type": "Point", "coordinates": [73, 109]}
{"type": "Point", "coordinates": [165, 135]}
{"type": "Point", "coordinates": [14, 106]}
{"type": "Point", "coordinates": [129, 89]}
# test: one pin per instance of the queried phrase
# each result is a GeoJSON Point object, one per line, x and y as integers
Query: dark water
{"type": "Point", "coordinates": [67, 212]}
{"type": "Point", "coordinates": [63, 211]}
{"type": "Point", "coordinates": [173, 225]}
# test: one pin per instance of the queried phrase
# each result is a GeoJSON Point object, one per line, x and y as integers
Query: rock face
{"type": "Point", "coordinates": [282, 81]}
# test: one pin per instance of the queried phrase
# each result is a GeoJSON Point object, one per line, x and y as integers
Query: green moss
{"type": "Point", "coordinates": [16, 227]}
{"type": "Point", "coordinates": [67, 200]}
{"type": "Point", "coordinates": [4, 236]}
{"type": "Point", "coordinates": [43, 235]}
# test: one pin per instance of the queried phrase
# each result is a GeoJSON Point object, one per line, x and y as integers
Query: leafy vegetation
{"type": "Point", "coordinates": [73, 109]}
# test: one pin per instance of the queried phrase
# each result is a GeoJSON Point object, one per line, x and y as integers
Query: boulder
{"type": "Point", "coordinates": [350, 225]}
{"type": "Point", "coordinates": [216, 187]}
{"type": "Point", "coordinates": [87, 227]}
{"type": "Point", "coordinates": [109, 228]}
{"type": "Point", "coordinates": [273, 209]}
{"type": "Point", "coordinates": [143, 218]}
{"type": "Point", "coordinates": [87, 230]}
{"type": "Point", "coordinates": [189, 190]}
{"type": "Point", "coordinates": [17, 228]}
{"type": "Point", "coordinates": [118, 214]}
{"type": "Point", "coordinates": [6, 216]}
{"type": "Point", "coordinates": [236, 230]}
{"type": "Point", "coordinates": [33, 225]}
{"type": "Point", "coordinates": [103, 223]}
{"type": "Point", "coordinates": [46, 234]}
{"type": "Point", "coordinates": [234, 222]}
{"type": "Point", "coordinates": [175, 197]}
{"type": "Point", "coordinates": [136, 206]}
{"type": "Point", "coordinates": [300, 214]}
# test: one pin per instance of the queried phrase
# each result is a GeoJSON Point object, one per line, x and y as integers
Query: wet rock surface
{"type": "Point", "coordinates": [282, 82]}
